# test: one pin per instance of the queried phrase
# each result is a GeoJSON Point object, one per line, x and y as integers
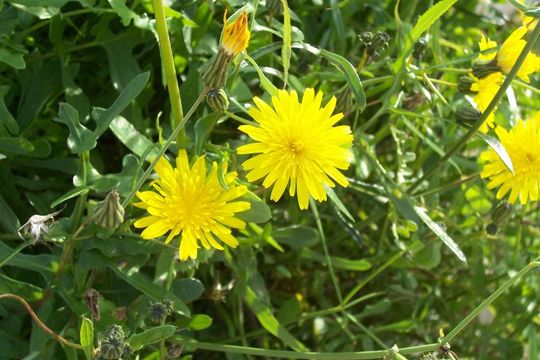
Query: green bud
{"type": "Point", "coordinates": [111, 348]}
{"type": "Point", "coordinates": [366, 38]}
{"type": "Point", "coordinates": [464, 85]}
{"type": "Point", "coordinates": [110, 213]}
{"type": "Point", "coordinates": [215, 75]}
{"type": "Point", "coordinates": [501, 213]}
{"type": "Point", "coordinates": [218, 100]}
{"type": "Point", "coordinates": [378, 44]}
{"type": "Point", "coordinates": [481, 69]}
{"type": "Point", "coordinates": [158, 311]}
{"type": "Point", "coordinates": [467, 115]}
{"type": "Point", "coordinates": [114, 332]}
{"type": "Point", "coordinates": [492, 229]}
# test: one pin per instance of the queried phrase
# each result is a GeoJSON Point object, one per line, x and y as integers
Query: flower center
{"type": "Point", "coordinates": [295, 147]}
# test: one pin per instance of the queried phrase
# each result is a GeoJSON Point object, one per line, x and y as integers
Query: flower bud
{"type": "Point", "coordinates": [91, 298]}
{"type": "Point", "coordinates": [420, 47]}
{"type": "Point", "coordinates": [467, 115]}
{"type": "Point", "coordinates": [464, 84]}
{"type": "Point", "coordinates": [215, 75]}
{"type": "Point", "coordinates": [481, 69]}
{"type": "Point", "coordinates": [499, 215]}
{"type": "Point", "coordinates": [111, 348]}
{"type": "Point", "coordinates": [174, 351]}
{"type": "Point", "coordinates": [366, 38]}
{"type": "Point", "coordinates": [110, 213]}
{"type": "Point", "coordinates": [158, 311]}
{"type": "Point", "coordinates": [218, 100]}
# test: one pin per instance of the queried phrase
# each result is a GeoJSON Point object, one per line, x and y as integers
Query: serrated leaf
{"type": "Point", "coordinates": [151, 336]}
{"type": "Point", "coordinates": [499, 149]}
{"type": "Point", "coordinates": [80, 138]}
{"type": "Point", "coordinates": [87, 337]}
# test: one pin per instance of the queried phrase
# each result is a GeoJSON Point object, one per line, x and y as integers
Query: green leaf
{"type": "Point", "coordinates": [286, 50]}
{"type": "Point", "coordinates": [499, 149]}
{"type": "Point", "coordinates": [104, 117]}
{"type": "Point", "coordinates": [422, 25]}
{"type": "Point", "coordinates": [8, 220]}
{"type": "Point", "coordinates": [345, 67]}
{"type": "Point", "coordinates": [259, 211]}
{"type": "Point", "coordinates": [7, 122]}
{"type": "Point", "coordinates": [203, 128]}
{"type": "Point", "coordinates": [296, 236]}
{"type": "Point", "coordinates": [73, 193]}
{"type": "Point", "coordinates": [13, 59]}
{"type": "Point", "coordinates": [188, 290]}
{"type": "Point", "coordinates": [42, 263]}
{"type": "Point", "coordinates": [199, 322]}
{"type": "Point", "coordinates": [24, 289]}
{"type": "Point", "coordinates": [350, 75]}
{"type": "Point", "coordinates": [339, 205]}
{"type": "Point", "coordinates": [151, 336]}
{"type": "Point", "coordinates": [132, 138]}
{"type": "Point", "coordinates": [80, 139]}
{"type": "Point", "coordinates": [119, 6]}
{"type": "Point", "coordinates": [15, 146]}
{"type": "Point", "coordinates": [441, 234]}
{"type": "Point", "coordinates": [87, 337]}
{"type": "Point", "coordinates": [264, 82]}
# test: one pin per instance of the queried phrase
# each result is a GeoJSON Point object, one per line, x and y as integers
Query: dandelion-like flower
{"type": "Point", "coordinates": [188, 201]}
{"type": "Point", "coordinates": [485, 90]}
{"type": "Point", "coordinates": [521, 143]}
{"type": "Point", "coordinates": [297, 145]}
{"type": "Point", "coordinates": [509, 52]}
{"type": "Point", "coordinates": [486, 87]}
{"type": "Point", "coordinates": [235, 37]}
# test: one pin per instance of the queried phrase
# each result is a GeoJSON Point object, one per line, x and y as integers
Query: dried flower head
{"type": "Point", "coordinates": [38, 225]}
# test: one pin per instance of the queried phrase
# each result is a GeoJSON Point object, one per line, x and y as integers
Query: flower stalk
{"type": "Point", "coordinates": [169, 70]}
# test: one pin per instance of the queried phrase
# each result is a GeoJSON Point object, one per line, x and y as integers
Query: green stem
{"type": "Point", "coordinates": [169, 70]}
{"type": "Point", "coordinates": [164, 148]}
{"type": "Point", "coordinates": [492, 105]}
{"type": "Point", "coordinates": [463, 323]}
{"type": "Point", "coordinates": [325, 247]}
{"type": "Point", "coordinates": [16, 251]}
{"type": "Point", "coordinates": [284, 354]}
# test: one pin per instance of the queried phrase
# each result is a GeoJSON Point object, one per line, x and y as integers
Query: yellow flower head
{"type": "Point", "coordinates": [486, 44]}
{"type": "Point", "coordinates": [235, 37]}
{"type": "Point", "coordinates": [297, 145]}
{"type": "Point", "coordinates": [485, 89]}
{"type": "Point", "coordinates": [521, 143]}
{"type": "Point", "coordinates": [509, 52]}
{"type": "Point", "coordinates": [191, 203]}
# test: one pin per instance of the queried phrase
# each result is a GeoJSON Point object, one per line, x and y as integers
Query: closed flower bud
{"type": "Point", "coordinates": [91, 298]}
{"type": "Point", "coordinates": [114, 332]}
{"type": "Point", "coordinates": [420, 47]}
{"type": "Point", "coordinates": [110, 213]}
{"type": "Point", "coordinates": [499, 215]}
{"type": "Point", "coordinates": [378, 44]}
{"type": "Point", "coordinates": [481, 69]}
{"type": "Point", "coordinates": [464, 84]}
{"type": "Point", "coordinates": [467, 115]}
{"type": "Point", "coordinates": [365, 38]}
{"type": "Point", "coordinates": [158, 311]}
{"type": "Point", "coordinates": [174, 351]}
{"type": "Point", "coordinates": [111, 348]}
{"type": "Point", "coordinates": [218, 100]}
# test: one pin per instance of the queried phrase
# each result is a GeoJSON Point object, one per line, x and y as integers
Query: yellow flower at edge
{"type": "Point", "coordinates": [297, 146]}
{"type": "Point", "coordinates": [189, 202]}
{"type": "Point", "coordinates": [235, 37]}
{"type": "Point", "coordinates": [522, 144]}
{"type": "Point", "coordinates": [485, 90]}
{"type": "Point", "coordinates": [509, 52]}
{"type": "Point", "coordinates": [486, 87]}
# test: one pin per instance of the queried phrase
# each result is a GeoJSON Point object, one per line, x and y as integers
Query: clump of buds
{"type": "Point", "coordinates": [114, 346]}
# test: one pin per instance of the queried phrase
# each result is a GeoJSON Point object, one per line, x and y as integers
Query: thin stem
{"type": "Point", "coordinates": [239, 119]}
{"type": "Point", "coordinates": [16, 251]}
{"type": "Point", "coordinates": [492, 105]}
{"type": "Point", "coordinates": [284, 354]}
{"type": "Point", "coordinates": [38, 321]}
{"type": "Point", "coordinates": [463, 323]}
{"type": "Point", "coordinates": [169, 69]}
{"type": "Point", "coordinates": [326, 253]}
{"type": "Point", "coordinates": [164, 148]}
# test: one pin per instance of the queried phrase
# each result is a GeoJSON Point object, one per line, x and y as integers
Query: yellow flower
{"type": "Point", "coordinates": [485, 89]}
{"type": "Point", "coordinates": [521, 143]}
{"type": "Point", "coordinates": [486, 44]}
{"type": "Point", "coordinates": [297, 145]}
{"type": "Point", "coordinates": [191, 203]}
{"type": "Point", "coordinates": [235, 37]}
{"type": "Point", "coordinates": [509, 52]}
